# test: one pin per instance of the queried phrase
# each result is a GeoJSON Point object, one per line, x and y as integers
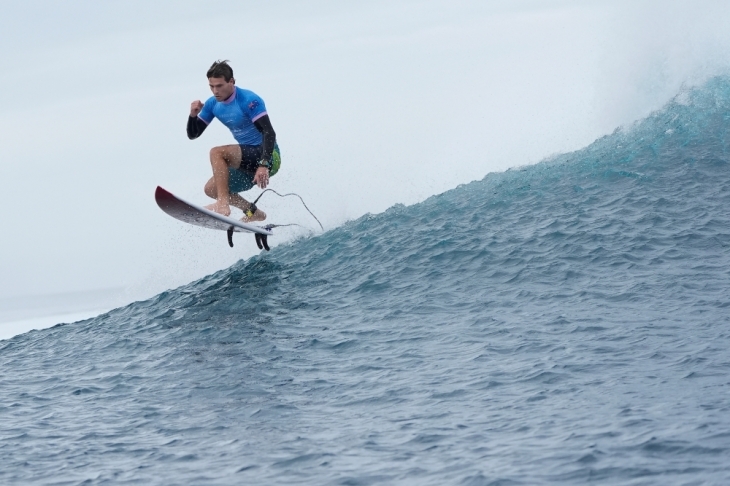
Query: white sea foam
{"type": "Point", "coordinates": [13, 328]}
{"type": "Point", "coordinates": [24, 313]}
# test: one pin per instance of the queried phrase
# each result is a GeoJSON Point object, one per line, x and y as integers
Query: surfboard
{"type": "Point", "coordinates": [190, 213]}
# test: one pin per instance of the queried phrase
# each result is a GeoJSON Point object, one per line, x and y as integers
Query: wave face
{"type": "Point", "coordinates": [562, 323]}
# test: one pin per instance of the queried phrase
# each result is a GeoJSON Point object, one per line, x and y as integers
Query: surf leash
{"type": "Point", "coordinates": [261, 239]}
{"type": "Point", "coordinates": [271, 226]}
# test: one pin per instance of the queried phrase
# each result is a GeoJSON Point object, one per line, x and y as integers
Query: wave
{"type": "Point", "coordinates": [552, 323]}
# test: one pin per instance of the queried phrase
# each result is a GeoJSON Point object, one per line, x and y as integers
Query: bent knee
{"type": "Point", "coordinates": [231, 154]}
{"type": "Point", "coordinates": [209, 189]}
{"type": "Point", "coordinates": [217, 152]}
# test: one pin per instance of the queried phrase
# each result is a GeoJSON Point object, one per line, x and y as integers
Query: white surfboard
{"type": "Point", "coordinates": [191, 213]}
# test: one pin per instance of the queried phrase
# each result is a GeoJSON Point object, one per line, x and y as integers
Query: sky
{"type": "Point", "coordinates": [374, 103]}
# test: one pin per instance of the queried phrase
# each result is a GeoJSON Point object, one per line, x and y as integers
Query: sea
{"type": "Point", "coordinates": [561, 323]}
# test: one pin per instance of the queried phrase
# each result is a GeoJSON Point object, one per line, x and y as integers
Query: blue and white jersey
{"type": "Point", "coordinates": [238, 114]}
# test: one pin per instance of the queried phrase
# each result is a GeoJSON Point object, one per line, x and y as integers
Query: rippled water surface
{"type": "Point", "coordinates": [566, 323]}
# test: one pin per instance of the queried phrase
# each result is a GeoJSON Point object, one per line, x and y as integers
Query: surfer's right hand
{"type": "Point", "coordinates": [195, 108]}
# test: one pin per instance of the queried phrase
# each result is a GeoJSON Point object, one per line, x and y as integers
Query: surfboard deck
{"type": "Point", "coordinates": [188, 212]}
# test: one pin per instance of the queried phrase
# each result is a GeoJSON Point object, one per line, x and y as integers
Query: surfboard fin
{"type": "Point", "coordinates": [261, 241]}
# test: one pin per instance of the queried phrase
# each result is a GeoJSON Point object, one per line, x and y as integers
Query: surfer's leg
{"type": "Point", "coordinates": [241, 165]}
{"type": "Point", "coordinates": [221, 158]}
{"type": "Point", "coordinates": [243, 205]}
{"type": "Point", "coordinates": [238, 181]}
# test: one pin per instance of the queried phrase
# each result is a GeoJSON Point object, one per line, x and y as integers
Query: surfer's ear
{"type": "Point", "coordinates": [233, 80]}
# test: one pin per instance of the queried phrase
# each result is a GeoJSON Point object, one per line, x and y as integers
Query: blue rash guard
{"type": "Point", "coordinates": [244, 114]}
{"type": "Point", "coordinates": [238, 113]}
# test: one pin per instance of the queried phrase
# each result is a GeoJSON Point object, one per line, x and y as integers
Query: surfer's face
{"type": "Point", "coordinates": [222, 89]}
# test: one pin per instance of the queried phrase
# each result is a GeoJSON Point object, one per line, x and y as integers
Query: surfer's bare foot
{"type": "Point", "coordinates": [220, 208]}
{"type": "Point", "coordinates": [257, 216]}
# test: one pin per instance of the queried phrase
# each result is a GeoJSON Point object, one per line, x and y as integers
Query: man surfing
{"type": "Point", "coordinates": [250, 162]}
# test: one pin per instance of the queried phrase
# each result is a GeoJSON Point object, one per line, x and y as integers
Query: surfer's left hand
{"type": "Point", "coordinates": [261, 178]}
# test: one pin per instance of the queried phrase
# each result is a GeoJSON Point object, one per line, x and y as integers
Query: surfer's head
{"type": "Point", "coordinates": [221, 80]}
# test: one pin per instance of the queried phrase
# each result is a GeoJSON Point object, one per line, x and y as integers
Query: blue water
{"type": "Point", "coordinates": [564, 323]}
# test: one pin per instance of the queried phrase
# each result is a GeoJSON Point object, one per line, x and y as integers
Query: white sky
{"type": "Point", "coordinates": [374, 103]}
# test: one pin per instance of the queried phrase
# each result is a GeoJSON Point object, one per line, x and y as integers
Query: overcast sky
{"type": "Point", "coordinates": [374, 103]}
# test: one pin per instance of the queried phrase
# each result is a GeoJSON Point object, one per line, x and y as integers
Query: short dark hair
{"type": "Point", "coordinates": [220, 69]}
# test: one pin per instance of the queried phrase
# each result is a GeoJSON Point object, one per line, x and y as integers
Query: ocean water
{"type": "Point", "coordinates": [563, 323]}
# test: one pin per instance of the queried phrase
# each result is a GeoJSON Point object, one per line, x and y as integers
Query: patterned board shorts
{"type": "Point", "coordinates": [241, 179]}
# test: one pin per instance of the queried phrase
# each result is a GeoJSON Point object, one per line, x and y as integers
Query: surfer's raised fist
{"type": "Point", "coordinates": [195, 108]}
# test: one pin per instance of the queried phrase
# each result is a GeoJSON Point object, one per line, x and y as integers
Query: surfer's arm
{"type": "Point", "coordinates": [196, 127]}
{"type": "Point", "coordinates": [263, 125]}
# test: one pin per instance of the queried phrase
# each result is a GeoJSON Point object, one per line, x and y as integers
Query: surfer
{"type": "Point", "coordinates": [250, 162]}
